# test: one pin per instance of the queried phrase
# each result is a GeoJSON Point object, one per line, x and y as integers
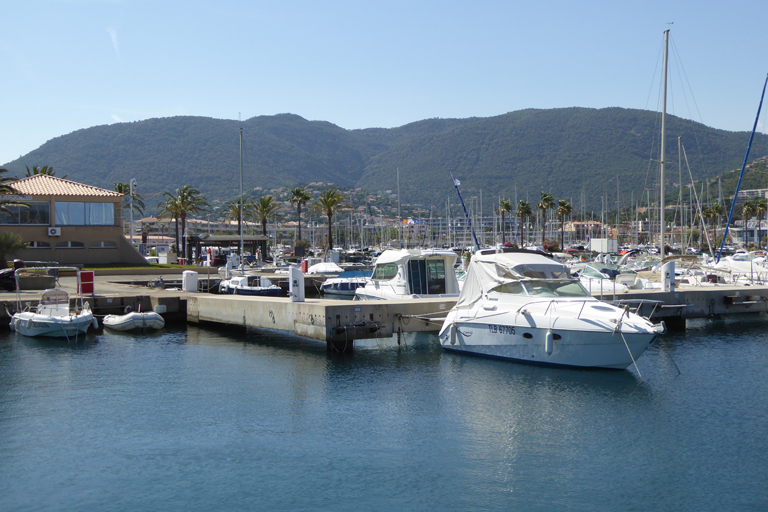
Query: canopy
{"type": "Point", "coordinates": [487, 271]}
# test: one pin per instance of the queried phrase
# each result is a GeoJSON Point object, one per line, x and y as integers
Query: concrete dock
{"type": "Point", "coordinates": [340, 322]}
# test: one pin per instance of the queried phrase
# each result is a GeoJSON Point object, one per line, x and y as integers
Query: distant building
{"type": "Point", "coordinates": [69, 223]}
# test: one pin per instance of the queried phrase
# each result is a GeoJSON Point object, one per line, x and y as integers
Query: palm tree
{"type": "Point", "coordinates": [299, 196]}
{"type": "Point", "coordinates": [6, 189]}
{"type": "Point", "coordinates": [135, 199]}
{"type": "Point", "coordinates": [40, 170]}
{"type": "Point", "coordinates": [564, 208]}
{"type": "Point", "coordinates": [715, 212]}
{"type": "Point", "coordinates": [761, 205]}
{"type": "Point", "coordinates": [546, 201]}
{"type": "Point", "coordinates": [504, 208]}
{"type": "Point", "coordinates": [264, 209]}
{"type": "Point", "coordinates": [748, 209]}
{"type": "Point", "coordinates": [169, 209]}
{"type": "Point", "coordinates": [231, 211]}
{"type": "Point", "coordinates": [328, 203]}
{"type": "Point", "coordinates": [187, 201]}
{"type": "Point", "coordinates": [10, 243]}
{"type": "Point", "coordinates": [524, 211]}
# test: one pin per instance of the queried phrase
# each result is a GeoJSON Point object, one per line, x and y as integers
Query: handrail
{"type": "Point", "coordinates": [28, 269]}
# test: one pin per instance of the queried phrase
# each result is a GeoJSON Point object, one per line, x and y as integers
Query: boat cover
{"type": "Point", "coordinates": [488, 271]}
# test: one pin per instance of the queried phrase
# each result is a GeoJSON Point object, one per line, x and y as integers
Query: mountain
{"type": "Point", "coordinates": [562, 151]}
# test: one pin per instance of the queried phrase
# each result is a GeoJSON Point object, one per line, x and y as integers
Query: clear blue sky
{"type": "Point", "coordinates": [72, 64]}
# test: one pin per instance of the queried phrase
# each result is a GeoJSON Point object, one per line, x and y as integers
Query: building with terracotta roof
{"type": "Point", "coordinates": [69, 223]}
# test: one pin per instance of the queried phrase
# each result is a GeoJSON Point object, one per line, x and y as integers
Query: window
{"type": "Point", "coordinates": [38, 213]}
{"type": "Point", "coordinates": [38, 245]}
{"type": "Point", "coordinates": [104, 244]}
{"type": "Point", "coordinates": [70, 245]}
{"type": "Point", "coordinates": [385, 272]}
{"type": "Point", "coordinates": [85, 214]}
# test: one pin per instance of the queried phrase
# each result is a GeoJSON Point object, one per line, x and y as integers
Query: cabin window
{"type": "Point", "coordinates": [85, 214]}
{"type": "Point", "coordinates": [385, 272]}
{"type": "Point", "coordinates": [38, 213]}
{"type": "Point", "coordinates": [513, 288]}
{"type": "Point", "coordinates": [555, 288]}
{"type": "Point", "coordinates": [70, 245]}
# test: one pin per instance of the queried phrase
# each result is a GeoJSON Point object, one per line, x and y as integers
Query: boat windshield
{"type": "Point", "coordinates": [544, 288]}
{"type": "Point", "coordinates": [385, 272]}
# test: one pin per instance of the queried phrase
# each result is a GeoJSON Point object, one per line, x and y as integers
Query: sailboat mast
{"type": "Point", "coordinates": [241, 197]}
{"type": "Point", "coordinates": [663, 137]}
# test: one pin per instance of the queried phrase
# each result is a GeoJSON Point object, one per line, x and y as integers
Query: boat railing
{"type": "Point", "coordinates": [54, 272]}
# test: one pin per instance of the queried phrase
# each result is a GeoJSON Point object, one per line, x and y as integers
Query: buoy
{"type": "Point", "coordinates": [548, 342]}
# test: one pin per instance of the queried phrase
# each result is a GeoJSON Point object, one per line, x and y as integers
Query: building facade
{"type": "Point", "coordinates": [69, 223]}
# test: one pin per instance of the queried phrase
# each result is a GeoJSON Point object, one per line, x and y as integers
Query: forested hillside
{"type": "Point", "coordinates": [562, 151]}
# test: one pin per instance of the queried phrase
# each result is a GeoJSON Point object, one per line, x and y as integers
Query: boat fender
{"type": "Point", "coordinates": [29, 324]}
{"type": "Point", "coordinates": [95, 323]}
{"type": "Point", "coordinates": [548, 342]}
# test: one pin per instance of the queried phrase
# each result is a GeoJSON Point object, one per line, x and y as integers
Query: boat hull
{"type": "Point", "coordinates": [134, 321]}
{"type": "Point", "coordinates": [34, 324]}
{"type": "Point", "coordinates": [553, 347]}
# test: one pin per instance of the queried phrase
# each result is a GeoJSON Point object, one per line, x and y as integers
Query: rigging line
{"type": "Point", "coordinates": [698, 203]}
{"type": "Point", "coordinates": [692, 125]}
{"type": "Point", "coordinates": [743, 166]}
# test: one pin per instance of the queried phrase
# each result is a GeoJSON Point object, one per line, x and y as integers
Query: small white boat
{"type": "Point", "coordinates": [53, 317]}
{"type": "Point", "coordinates": [524, 306]}
{"type": "Point", "coordinates": [250, 284]}
{"type": "Point", "coordinates": [345, 283]}
{"type": "Point", "coordinates": [325, 268]}
{"type": "Point", "coordinates": [412, 274]}
{"type": "Point", "coordinates": [134, 320]}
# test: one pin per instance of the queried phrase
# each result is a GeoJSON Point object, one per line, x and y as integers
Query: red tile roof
{"type": "Point", "coordinates": [45, 185]}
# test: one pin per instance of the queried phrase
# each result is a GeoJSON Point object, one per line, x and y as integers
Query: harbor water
{"type": "Point", "coordinates": [210, 419]}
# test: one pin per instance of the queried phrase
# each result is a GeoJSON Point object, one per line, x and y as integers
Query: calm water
{"type": "Point", "coordinates": [199, 419]}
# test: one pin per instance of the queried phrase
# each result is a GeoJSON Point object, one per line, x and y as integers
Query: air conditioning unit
{"type": "Point", "coordinates": [54, 231]}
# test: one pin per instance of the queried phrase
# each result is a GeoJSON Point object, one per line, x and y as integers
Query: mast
{"type": "Point", "coordinates": [663, 136]}
{"type": "Point", "coordinates": [241, 197]}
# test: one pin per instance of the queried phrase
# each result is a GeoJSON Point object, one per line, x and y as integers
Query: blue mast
{"type": "Point", "coordinates": [456, 184]}
{"type": "Point", "coordinates": [743, 166]}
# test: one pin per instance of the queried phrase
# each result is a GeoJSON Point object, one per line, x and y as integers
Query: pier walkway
{"type": "Point", "coordinates": [340, 322]}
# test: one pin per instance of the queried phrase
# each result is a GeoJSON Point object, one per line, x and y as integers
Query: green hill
{"type": "Point", "coordinates": [561, 151]}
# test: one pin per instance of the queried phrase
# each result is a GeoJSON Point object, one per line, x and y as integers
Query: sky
{"type": "Point", "coordinates": [73, 64]}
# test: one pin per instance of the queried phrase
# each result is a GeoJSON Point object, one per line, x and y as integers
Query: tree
{"type": "Point", "coordinates": [6, 189]}
{"type": "Point", "coordinates": [231, 211]}
{"type": "Point", "coordinates": [264, 209]}
{"type": "Point", "coordinates": [524, 212]}
{"type": "Point", "coordinates": [761, 205]}
{"type": "Point", "coordinates": [10, 243]}
{"type": "Point", "coordinates": [564, 208]}
{"type": "Point", "coordinates": [41, 170]}
{"type": "Point", "coordinates": [328, 203]}
{"type": "Point", "coordinates": [715, 212]}
{"type": "Point", "coordinates": [187, 201]}
{"type": "Point", "coordinates": [504, 207]}
{"type": "Point", "coordinates": [299, 196]}
{"type": "Point", "coordinates": [748, 209]}
{"type": "Point", "coordinates": [546, 201]}
{"type": "Point", "coordinates": [134, 200]}
{"type": "Point", "coordinates": [168, 208]}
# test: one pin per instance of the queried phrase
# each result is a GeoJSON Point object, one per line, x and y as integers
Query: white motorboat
{"type": "Point", "coordinates": [412, 274]}
{"type": "Point", "coordinates": [524, 306]}
{"type": "Point", "coordinates": [250, 284]}
{"type": "Point", "coordinates": [325, 268]}
{"type": "Point", "coordinates": [346, 283]}
{"type": "Point", "coordinates": [53, 317]}
{"type": "Point", "coordinates": [134, 320]}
